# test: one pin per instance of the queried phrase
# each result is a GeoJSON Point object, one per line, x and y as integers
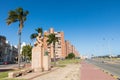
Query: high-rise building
{"type": "Point", "coordinates": [62, 47]}
{"type": "Point", "coordinates": [59, 46]}
{"type": "Point", "coordinates": [69, 48]}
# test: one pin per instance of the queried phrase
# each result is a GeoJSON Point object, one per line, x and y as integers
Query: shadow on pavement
{"type": "Point", "coordinates": [3, 70]}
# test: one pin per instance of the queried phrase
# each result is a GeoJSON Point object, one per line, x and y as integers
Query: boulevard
{"type": "Point", "coordinates": [8, 67]}
{"type": "Point", "coordinates": [113, 68]}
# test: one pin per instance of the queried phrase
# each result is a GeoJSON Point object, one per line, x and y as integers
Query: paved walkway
{"type": "Point", "coordinates": [70, 72]}
{"type": "Point", "coordinates": [90, 72]}
{"type": "Point", "coordinates": [33, 75]}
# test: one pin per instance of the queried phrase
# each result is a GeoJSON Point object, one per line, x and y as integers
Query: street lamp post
{"type": "Point", "coordinates": [109, 49]}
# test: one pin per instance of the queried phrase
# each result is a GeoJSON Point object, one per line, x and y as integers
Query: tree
{"type": "Point", "coordinates": [18, 15]}
{"type": "Point", "coordinates": [34, 35]}
{"type": "Point", "coordinates": [27, 51]}
{"type": "Point", "coordinates": [52, 39]}
{"type": "Point", "coordinates": [71, 56]}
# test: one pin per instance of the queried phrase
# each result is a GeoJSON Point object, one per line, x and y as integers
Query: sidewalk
{"type": "Point", "coordinates": [33, 75]}
{"type": "Point", "coordinates": [90, 72]}
{"type": "Point", "coordinates": [70, 72]}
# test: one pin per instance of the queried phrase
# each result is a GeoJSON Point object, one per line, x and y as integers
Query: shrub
{"type": "Point", "coordinates": [71, 56]}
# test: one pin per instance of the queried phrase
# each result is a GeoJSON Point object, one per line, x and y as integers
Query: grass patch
{"type": "Point", "coordinates": [60, 65]}
{"type": "Point", "coordinates": [63, 63]}
{"type": "Point", "coordinates": [69, 61]}
{"type": "Point", "coordinates": [12, 79]}
{"type": "Point", "coordinates": [3, 75]}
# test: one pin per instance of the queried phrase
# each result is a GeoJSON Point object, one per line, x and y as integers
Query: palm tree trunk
{"type": "Point", "coordinates": [19, 42]}
{"type": "Point", "coordinates": [19, 48]}
{"type": "Point", "coordinates": [54, 55]}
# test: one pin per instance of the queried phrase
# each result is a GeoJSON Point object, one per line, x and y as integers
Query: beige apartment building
{"type": "Point", "coordinates": [69, 48]}
{"type": "Point", "coordinates": [59, 46]}
{"type": "Point", "coordinates": [62, 47]}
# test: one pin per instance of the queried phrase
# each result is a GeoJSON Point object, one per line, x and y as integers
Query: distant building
{"type": "Point", "coordinates": [2, 47]}
{"type": "Point", "coordinates": [69, 48]}
{"type": "Point", "coordinates": [8, 53]}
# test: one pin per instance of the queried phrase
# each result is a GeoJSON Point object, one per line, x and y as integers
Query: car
{"type": "Point", "coordinates": [5, 63]}
{"type": "Point", "coordinates": [103, 61]}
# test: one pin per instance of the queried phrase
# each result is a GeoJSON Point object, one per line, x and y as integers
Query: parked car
{"type": "Point", "coordinates": [103, 61]}
{"type": "Point", "coordinates": [5, 62]}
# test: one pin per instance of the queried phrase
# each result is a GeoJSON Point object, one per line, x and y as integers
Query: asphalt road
{"type": "Point", "coordinates": [112, 68]}
{"type": "Point", "coordinates": [8, 67]}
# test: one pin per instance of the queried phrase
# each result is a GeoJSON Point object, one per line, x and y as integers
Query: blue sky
{"type": "Point", "coordinates": [93, 26]}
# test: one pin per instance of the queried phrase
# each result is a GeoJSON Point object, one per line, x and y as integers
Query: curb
{"type": "Point", "coordinates": [114, 76]}
{"type": "Point", "coordinates": [43, 73]}
{"type": "Point", "coordinates": [35, 76]}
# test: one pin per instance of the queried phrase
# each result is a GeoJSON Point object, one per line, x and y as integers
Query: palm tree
{"type": "Point", "coordinates": [34, 35]}
{"type": "Point", "coordinates": [52, 39]}
{"type": "Point", "coordinates": [17, 15]}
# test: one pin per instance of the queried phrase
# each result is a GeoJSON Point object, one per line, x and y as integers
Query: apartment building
{"type": "Point", "coordinates": [62, 47]}
{"type": "Point", "coordinates": [2, 47]}
{"type": "Point", "coordinates": [69, 48]}
{"type": "Point", "coordinates": [8, 53]}
{"type": "Point", "coordinates": [59, 46]}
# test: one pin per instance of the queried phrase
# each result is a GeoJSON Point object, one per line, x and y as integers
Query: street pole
{"type": "Point", "coordinates": [109, 48]}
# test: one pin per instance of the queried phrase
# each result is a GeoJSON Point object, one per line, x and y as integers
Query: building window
{"type": "Point", "coordinates": [59, 47]}
{"type": "Point", "coordinates": [0, 43]}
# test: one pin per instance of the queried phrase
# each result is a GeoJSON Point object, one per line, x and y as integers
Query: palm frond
{"type": "Point", "coordinates": [16, 15]}
{"type": "Point", "coordinates": [33, 36]}
{"type": "Point", "coordinates": [25, 13]}
{"type": "Point", "coordinates": [12, 13]}
{"type": "Point", "coordinates": [39, 30]}
{"type": "Point", "coordinates": [12, 17]}
{"type": "Point", "coordinates": [19, 11]}
{"type": "Point", "coordinates": [52, 39]}
{"type": "Point", "coordinates": [49, 41]}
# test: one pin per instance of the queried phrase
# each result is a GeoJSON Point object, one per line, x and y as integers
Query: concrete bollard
{"type": "Point", "coordinates": [11, 75]}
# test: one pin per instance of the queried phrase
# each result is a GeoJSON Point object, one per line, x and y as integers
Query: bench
{"type": "Point", "coordinates": [19, 73]}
